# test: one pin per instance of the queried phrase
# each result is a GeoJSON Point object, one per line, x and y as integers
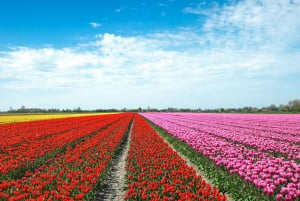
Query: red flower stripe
{"type": "Point", "coordinates": [21, 143]}
{"type": "Point", "coordinates": [72, 174]}
{"type": "Point", "coordinates": [156, 172]}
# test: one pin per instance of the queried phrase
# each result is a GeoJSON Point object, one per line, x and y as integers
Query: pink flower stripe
{"type": "Point", "coordinates": [289, 130]}
{"type": "Point", "coordinates": [259, 140]}
{"type": "Point", "coordinates": [215, 136]}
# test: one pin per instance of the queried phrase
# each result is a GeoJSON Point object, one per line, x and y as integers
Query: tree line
{"type": "Point", "coordinates": [292, 106]}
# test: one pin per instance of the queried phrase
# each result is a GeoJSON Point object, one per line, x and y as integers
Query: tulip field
{"type": "Point", "coordinates": [245, 157]}
{"type": "Point", "coordinates": [11, 118]}
{"type": "Point", "coordinates": [156, 172]}
{"type": "Point", "coordinates": [58, 159]}
{"type": "Point", "coordinates": [262, 150]}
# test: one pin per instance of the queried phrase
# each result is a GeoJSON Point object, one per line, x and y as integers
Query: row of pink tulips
{"type": "Point", "coordinates": [265, 129]}
{"type": "Point", "coordinates": [255, 139]}
{"type": "Point", "coordinates": [254, 165]}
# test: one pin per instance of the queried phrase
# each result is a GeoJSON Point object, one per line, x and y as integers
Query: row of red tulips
{"type": "Point", "coordinates": [20, 131]}
{"type": "Point", "coordinates": [73, 174]}
{"type": "Point", "coordinates": [23, 143]}
{"type": "Point", "coordinates": [156, 172]}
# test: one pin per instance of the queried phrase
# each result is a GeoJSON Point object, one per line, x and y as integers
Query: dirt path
{"type": "Point", "coordinates": [189, 163]}
{"type": "Point", "coordinates": [112, 188]}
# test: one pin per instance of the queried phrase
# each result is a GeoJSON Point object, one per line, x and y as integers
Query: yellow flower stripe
{"type": "Point", "coordinates": [10, 118]}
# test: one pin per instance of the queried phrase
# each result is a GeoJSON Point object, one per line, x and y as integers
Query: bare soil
{"type": "Point", "coordinates": [113, 187]}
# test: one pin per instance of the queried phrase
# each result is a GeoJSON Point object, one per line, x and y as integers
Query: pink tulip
{"type": "Point", "coordinates": [278, 197]}
{"type": "Point", "coordinates": [225, 138]}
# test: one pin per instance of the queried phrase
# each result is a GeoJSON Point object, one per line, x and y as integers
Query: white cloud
{"type": "Point", "coordinates": [247, 23]}
{"type": "Point", "coordinates": [124, 8]}
{"type": "Point", "coordinates": [118, 10]}
{"type": "Point", "coordinates": [162, 5]}
{"type": "Point", "coordinates": [95, 24]}
{"type": "Point", "coordinates": [202, 8]}
{"type": "Point", "coordinates": [154, 58]}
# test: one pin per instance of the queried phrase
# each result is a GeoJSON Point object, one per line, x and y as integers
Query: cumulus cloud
{"type": "Point", "coordinates": [154, 58]}
{"type": "Point", "coordinates": [95, 24]}
{"type": "Point", "coordinates": [252, 23]}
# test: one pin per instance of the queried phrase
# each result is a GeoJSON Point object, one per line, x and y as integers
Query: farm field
{"type": "Point", "coordinates": [156, 172]}
{"type": "Point", "coordinates": [259, 154]}
{"type": "Point", "coordinates": [60, 159]}
{"type": "Point", "coordinates": [159, 100]}
{"type": "Point", "coordinates": [17, 117]}
{"type": "Point", "coordinates": [234, 156]}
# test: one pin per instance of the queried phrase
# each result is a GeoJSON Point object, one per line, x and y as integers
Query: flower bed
{"type": "Point", "coordinates": [277, 176]}
{"type": "Point", "coordinates": [156, 172]}
{"type": "Point", "coordinates": [73, 174]}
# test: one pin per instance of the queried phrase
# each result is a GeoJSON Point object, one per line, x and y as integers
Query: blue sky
{"type": "Point", "coordinates": [104, 54]}
{"type": "Point", "coordinates": [63, 22]}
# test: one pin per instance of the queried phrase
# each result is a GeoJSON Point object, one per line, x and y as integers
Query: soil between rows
{"type": "Point", "coordinates": [112, 188]}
